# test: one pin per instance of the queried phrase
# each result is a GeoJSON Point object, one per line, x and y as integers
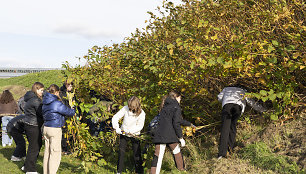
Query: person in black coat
{"type": "Point", "coordinates": [33, 121]}
{"type": "Point", "coordinates": [169, 132]}
{"type": "Point", "coordinates": [15, 128]}
{"type": "Point", "coordinates": [68, 98]}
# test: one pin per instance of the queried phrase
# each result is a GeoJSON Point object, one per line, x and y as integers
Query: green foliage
{"type": "Point", "coordinates": [200, 47]}
{"type": "Point", "coordinates": [261, 155]}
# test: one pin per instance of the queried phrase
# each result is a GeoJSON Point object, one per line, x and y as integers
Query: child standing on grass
{"type": "Point", "coordinates": [54, 112]}
{"type": "Point", "coordinates": [133, 122]}
{"type": "Point", "coordinates": [33, 121]}
{"type": "Point", "coordinates": [169, 132]}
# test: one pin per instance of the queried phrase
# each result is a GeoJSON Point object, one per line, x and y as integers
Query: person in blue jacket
{"type": "Point", "coordinates": [54, 113]}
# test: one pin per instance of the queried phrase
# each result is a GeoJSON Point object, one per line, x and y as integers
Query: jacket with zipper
{"type": "Point", "coordinates": [54, 111]}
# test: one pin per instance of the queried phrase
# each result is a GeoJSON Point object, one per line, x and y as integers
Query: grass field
{"type": "Point", "coordinates": [68, 164]}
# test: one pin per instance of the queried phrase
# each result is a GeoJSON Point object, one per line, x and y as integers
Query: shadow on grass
{"type": "Point", "coordinates": [7, 153]}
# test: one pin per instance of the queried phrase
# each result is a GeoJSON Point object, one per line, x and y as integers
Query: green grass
{"type": "Point", "coordinates": [46, 77]}
{"type": "Point", "coordinates": [261, 155]}
{"type": "Point", "coordinates": [68, 164]}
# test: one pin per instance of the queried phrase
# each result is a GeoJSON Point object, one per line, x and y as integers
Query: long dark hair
{"type": "Point", "coordinates": [174, 94]}
{"type": "Point", "coordinates": [6, 97]}
{"type": "Point", "coordinates": [36, 86]}
{"type": "Point", "coordinates": [134, 105]}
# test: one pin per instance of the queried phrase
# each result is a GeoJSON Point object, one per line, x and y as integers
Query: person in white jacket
{"type": "Point", "coordinates": [132, 124]}
{"type": "Point", "coordinates": [233, 105]}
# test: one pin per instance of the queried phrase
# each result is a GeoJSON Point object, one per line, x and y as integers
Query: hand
{"type": "Point", "coordinates": [118, 131]}
{"type": "Point", "coordinates": [193, 126]}
{"type": "Point", "coordinates": [182, 141]}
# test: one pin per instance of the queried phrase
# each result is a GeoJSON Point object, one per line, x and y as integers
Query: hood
{"type": "Point", "coordinates": [29, 95]}
{"type": "Point", "coordinates": [170, 101]}
{"type": "Point", "coordinates": [49, 98]}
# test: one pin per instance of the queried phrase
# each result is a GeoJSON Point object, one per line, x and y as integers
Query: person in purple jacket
{"type": "Point", "coordinates": [54, 113]}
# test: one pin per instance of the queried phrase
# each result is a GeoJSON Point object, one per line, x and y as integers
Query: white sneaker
{"type": "Point", "coordinates": [9, 144]}
{"type": "Point", "coordinates": [14, 158]}
{"type": "Point", "coordinates": [22, 168]}
{"type": "Point", "coordinates": [3, 145]}
{"type": "Point", "coordinates": [32, 173]}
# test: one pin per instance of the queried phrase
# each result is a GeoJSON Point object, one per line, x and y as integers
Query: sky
{"type": "Point", "coordinates": [46, 33]}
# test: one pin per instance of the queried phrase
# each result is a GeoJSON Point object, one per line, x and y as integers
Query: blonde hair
{"type": "Point", "coordinates": [134, 105]}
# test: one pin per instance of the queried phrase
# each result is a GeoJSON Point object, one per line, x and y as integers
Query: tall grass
{"type": "Point", "coordinates": [261, 155]}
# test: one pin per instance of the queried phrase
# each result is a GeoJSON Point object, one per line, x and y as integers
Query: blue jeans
{"type": "Point", "coordinates": [5, 138]}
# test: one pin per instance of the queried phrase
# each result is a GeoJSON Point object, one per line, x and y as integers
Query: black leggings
{"type": "Point", "coordinates": [136, 153]}
{"type": "Point", "coordinates": [230, 114]}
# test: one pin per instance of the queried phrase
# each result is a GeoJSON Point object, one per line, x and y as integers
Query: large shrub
{"type": "Point", "coordinates": [200, 47]}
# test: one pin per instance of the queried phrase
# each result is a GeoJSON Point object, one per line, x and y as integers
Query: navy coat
{"type": "Point", "coordinates": [54, 111]}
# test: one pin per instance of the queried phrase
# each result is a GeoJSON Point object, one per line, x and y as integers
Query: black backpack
{"type": "Point", "coordinates": [153, 125]}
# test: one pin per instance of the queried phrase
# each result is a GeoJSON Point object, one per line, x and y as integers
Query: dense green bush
{"type": "Point", "coordinates": [200, 47]}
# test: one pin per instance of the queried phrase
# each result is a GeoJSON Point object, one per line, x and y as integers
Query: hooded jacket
{"type": "Point", "coordinates": [54, 111]}
{"type": "Point", "coordinates": [169, 127]}
{"type": "Point", "coordinates": [17, 123]}
{"type": "Point", "coordinates": [32, 109]}
{"type": "Point", "coordinates": [236, 95]}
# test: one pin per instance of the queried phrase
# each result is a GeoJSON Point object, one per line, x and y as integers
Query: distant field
{"type": "Point", "coordinates": [19, 85]}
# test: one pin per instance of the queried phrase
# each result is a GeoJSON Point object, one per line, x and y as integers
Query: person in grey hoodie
{"type": "Point", "coordinates": [233, 105]}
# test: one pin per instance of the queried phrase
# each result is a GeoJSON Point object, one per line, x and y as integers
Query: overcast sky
{"type": "Point", "coordinates": [46, 33]}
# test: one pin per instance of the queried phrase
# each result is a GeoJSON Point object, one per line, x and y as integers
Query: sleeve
{"type": "Point", "coordinates": [220, 96]}
{"type": "Point", "coordinates": [65, 110]}
{"type": "Point", "coordinates": [37, 105]}
{"type": "Point", "coordinates": [177, 123]}
{"type": "Point", "coordinates": [255, 105]}
{"type": "Point", "coordinates": [185, 122]}
{"type": "Point", "coordinates": [140, 122]}
{"type": "Point", "coordinates": [117, 117]}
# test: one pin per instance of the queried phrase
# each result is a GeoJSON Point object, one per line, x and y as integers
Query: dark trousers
{"type": "Point", "coordinates": [136, 153]}
{"type": "Point", "coordinates": [230, 114]}
{"type": "Point", "coordinates": [20, 150]}
{"type": "Point", "coordinates": [34, 137]}
{"type": "Point", "coordinates": [64, 141]}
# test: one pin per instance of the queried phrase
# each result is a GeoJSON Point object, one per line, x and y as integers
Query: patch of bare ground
{"type": "Point", "coordinates": [17, 90]}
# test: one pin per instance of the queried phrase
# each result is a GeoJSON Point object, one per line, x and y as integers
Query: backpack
{"type": "Point", "coordinates": [153, 124]}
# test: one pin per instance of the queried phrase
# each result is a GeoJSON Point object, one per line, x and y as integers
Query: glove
{"type": "Point", "coordinates": [182, 141]}
{"type": "Point", "coordinates": [118, 131]}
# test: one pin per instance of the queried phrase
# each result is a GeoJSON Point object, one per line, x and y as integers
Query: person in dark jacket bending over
{"type": "Point", "coordinates": [33, 121]}
{"type": "Point", "coordinates": [15, 128]}
{"type": "Point", "coordinates": [169, 133]}
{"type": "Point", "coordinates": [233, 105]}
{"type": "Point", "coordinates": [54, 112]}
